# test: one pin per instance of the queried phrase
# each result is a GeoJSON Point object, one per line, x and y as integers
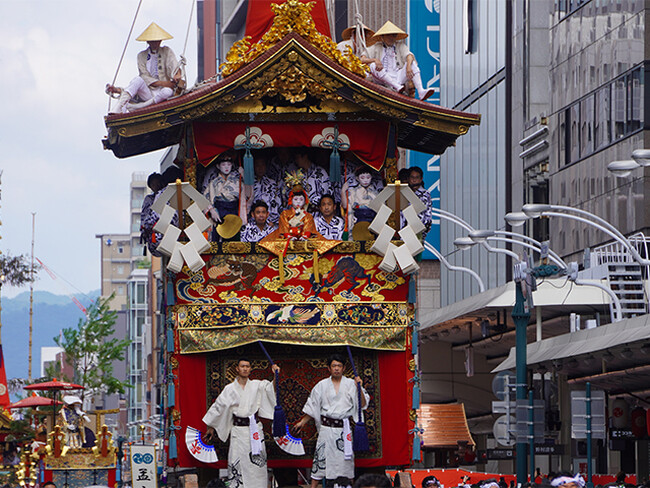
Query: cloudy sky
{"type": "Point", "coordinates": [56, 58]}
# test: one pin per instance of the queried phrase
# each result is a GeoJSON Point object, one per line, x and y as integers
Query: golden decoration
{"type": "Point", "coordinates": [291, 16]}
{"type": "Point", "coordinates": [412, 365]}
{"type": "Point", "coordinates": [104, 446]}
{"type": "Point", "coordinates": [208, 108]}
{"type": "Point", "coordinates": [176, 415]}
{"type": "Point", "coordinates": [144, 127]}
{"type": "Point", "coordinates": [190, 171]}
{"type": "Point", "coordinates": [235, 247]}
{"type": "Point", "coordinates": [413, 415]}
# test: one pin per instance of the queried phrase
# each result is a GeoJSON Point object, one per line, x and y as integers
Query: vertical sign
{"type": "Point", "coordinates": [144, 471]}
{"type": "Point", "coordinates": [424, 43]}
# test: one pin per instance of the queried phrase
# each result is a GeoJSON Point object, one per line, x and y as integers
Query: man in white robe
{"type": "Point", "coordinates": [234, 414]}
{"type": "Point", "coordinates": [331, 404]}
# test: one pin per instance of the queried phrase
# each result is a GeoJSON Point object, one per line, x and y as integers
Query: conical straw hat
{"type": "Point", "coordinates": [390, 28]}
{"type": "Point", "coordinates": [154, 33]}
{"type": "Point", "coordinates": [347, 33]}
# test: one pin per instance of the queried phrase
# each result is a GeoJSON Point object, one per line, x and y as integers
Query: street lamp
{"type": "Point", "coordinates": [622, 169]}
{"type": "Point", "coordinates": [536, 210]}
{"type": "Point", "coordinates": [443, 260]}
{"type": "Point", "coordinates": [641, 156]}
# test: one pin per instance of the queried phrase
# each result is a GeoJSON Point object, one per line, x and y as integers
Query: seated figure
{"type": "Point", "coordinates": [391, 62]}
{"type": "Point", "coordinates": [351, 43]}
{"type": "Point", "coordinates": [331, 226]}
{"type": "Point", "coordinates": [260, 226]}
{"type": "Point", "coordinates": [158, 76]}
{"type": "Point", "coordinates": [356, 200]}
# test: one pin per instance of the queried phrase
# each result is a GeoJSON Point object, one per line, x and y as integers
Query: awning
{"type": "Point", "coordinates": [444, 425]}
{"type": "Point", "coordinates": [557, 293]}
{"type": "Point", "coordinates": [583, 342]}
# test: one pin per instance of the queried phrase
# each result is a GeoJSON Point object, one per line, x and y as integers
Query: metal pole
{"type": "Point", "coordinates": [589, 482]}
{"type": "Point", "coordinates": [531, 435]}
{"type": "Point", "coordinates": [31, 300]}
{"type": "Point", "coordinates": [520, 316]}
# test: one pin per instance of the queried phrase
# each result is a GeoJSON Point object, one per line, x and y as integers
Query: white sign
{"type": "Point", "coordinates": [144, 471]}
{"type": "Point", "coordinates": [502, 430]}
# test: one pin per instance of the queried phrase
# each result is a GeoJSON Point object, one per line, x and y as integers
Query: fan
{"type": "Point", "coordinates": [290, 444]}
{"type": "Point", "coordinates": [201, 451]}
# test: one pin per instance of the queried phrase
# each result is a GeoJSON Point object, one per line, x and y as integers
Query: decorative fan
{"type": "Point", "coordinates": [201, 451]}
{"type": "Point", "coordinates": [290, 444]}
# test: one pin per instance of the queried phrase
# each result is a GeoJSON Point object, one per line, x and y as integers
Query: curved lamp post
{"type": "Point", "coordinates": [622, 169]}
{"type": "Point", "coordinates": [536, 210]}
{"type": "Point", "coordinates": [443, 260]}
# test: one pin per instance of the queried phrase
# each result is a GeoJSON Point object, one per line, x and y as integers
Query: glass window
{"type": "Point", "coordinates": [587, 125]}
{"type": "Point", "coordinates": [562, 137]}
{"type": "Point", "coordinates": [574, 135]}
{"type": "Point", "coordinates": [602, 126]}
{"type": "Point", "coordinates": [618, 107]}
{"type": "Point", "coordinates": [140, 298]}
{"type": "Point", "coordinates": [635, 92]}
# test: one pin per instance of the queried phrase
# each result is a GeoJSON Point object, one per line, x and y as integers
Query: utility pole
{"type": "Point", "coordinates": [31, 300]}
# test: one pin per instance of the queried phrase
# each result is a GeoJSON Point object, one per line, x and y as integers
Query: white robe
{"type": "Point", "coordinates": [257, 396]}
{"type": "Point", "coordinates": [329, 458]}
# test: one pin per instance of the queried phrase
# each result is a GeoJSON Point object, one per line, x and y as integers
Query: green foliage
{"type": "Point", "coordinates": [16, 269]}
{"type": "Point", "coordinates": [90, 350]}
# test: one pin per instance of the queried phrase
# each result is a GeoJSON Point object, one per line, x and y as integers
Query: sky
{"type": "Point", "coordinates": [56, 58]}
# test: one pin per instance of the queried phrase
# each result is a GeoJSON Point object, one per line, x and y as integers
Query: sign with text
{"type": "Point", "coordinates": [143, 467]}
{"type": "Point", "coordinates": [424, 43]}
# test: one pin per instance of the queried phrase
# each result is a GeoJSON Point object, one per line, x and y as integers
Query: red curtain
{"type": "Point", "coordinates": [395, 401]}
{"type": "Point", "coordinates": [367, 140]}
{"type": "Point", "coordinates": [259, 17]}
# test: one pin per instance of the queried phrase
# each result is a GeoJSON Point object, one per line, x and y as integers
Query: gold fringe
{"type": "Point", "coordinates": [281, 270]}
{"type": "Point", "coordinates": [316, 275]}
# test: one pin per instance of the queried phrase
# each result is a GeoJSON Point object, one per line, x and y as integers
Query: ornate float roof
{"type": "Point", "coordinates": [292, 81]}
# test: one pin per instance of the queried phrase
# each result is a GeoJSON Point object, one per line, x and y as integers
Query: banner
{"type": "Point", "coordinates": [144, 472]}
{"type": "Point", "coordinates": [4, 392]}
{"type": "Point", "coordinates": [424, 43]}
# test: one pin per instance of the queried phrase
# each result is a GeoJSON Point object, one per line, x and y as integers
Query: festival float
{"type": "Point", "coordinates": [301, 298]}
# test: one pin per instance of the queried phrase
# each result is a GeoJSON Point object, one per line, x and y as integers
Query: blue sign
{"type": "Point", "coordinates": [424, 43]}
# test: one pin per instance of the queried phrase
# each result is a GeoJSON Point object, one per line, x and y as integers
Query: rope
{"type": "Point", "coordinates": [119, 65]}
{"type": "Point", "coordinates": [361, 34]}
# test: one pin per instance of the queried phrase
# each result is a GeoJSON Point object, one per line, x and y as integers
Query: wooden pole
{"type": "Point", "coordinates": [179, 202]}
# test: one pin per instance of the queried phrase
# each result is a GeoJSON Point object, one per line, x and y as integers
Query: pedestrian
{"type": "Point", "coordinates": [372, 480]}
{"type": "Point", "coordinates": [430, 482]}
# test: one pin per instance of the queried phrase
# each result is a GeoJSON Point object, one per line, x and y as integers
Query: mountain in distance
{"type": "Point", "coordinates": [52, 313]}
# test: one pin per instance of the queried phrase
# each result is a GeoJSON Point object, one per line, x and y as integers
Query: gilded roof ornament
{"type": "Point", "coordinates": [291, 16]}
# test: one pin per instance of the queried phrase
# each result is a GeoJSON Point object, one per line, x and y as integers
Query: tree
{"type": "Point", "coordinates": [90, 350]}
{"type": "Point", "coordinates": [15, 270]}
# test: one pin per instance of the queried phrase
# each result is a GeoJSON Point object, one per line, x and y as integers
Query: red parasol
{"type": "Point", "coordinates": [54, 385]}
{"type": "Point", "coordinates": [34, 401]}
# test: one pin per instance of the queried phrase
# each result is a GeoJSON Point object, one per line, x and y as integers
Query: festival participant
{"type": "Point", "coordinates": [430, 482]}
{"type": "Point", "coordinates": [266, 188]}
{"type": "Point", "coordinates": [331, 403]}
{"type": "Point", "coordinates": [223, 190]}
{"type": "Point", "coordinates": [71, 419]}
{"type": "Point", "coordinates": [567, 480]}
{"type": "Point", "coordinates": [415, 183]}
{"type": "Point", "coordinates": [372, 480]}
{"type": "Point", "coordinates": [148, 217]}
{"type": "Point", "coordinates": [357, 198]}
{"type": "Point", "coordinates": [316, 181]}
{"type": "Point", "coordinates": [158, 73]}
{"type": "Point", "coordinates": [392, 64]}
{"type": "Point", "coordinates": [260, 226]}
{"type": "Point", "coordinates": [350, 43]}
{"type": "Point", "coordinates": [295, 222]}
{"type": "Point", "coordinates": [331, 226]}
{"type": "Point", "coordinates": [235, 414]}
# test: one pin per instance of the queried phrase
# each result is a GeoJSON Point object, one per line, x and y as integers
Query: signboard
{"type": "Point", "coordinates": [502, 430]}
{"type": "Point", "coordinates": [500, 454]}
{"type": "Point", "coordinates": [143, 467]}
{"type": "Point", "coordinates": [424, 43]}
{"type": "Point", "coordinates": [579, 414]}
{"type": "Point", "coordinates": [524, 423]}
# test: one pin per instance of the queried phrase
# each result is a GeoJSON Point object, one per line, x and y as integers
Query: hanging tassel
{"type": "Point", "coordinates": [416, 393]}
{"type": "Point", "coordinates": [173, 451]}
{"type": "Point", "coordinates": [170, 339]}
{"type": "Point", "coordinates": [414, 337]}
{"type": "Point", "coordinates": [171, 299]}
{"type": "Point", "coordinates": [171, 391]}
{"type": "Point", "coordinates": [417, 453]}
{"type": "Point", "coordinates": [279, 417]}
{"type": "Point", "coordinates": [281, 270]}
{"type": "Point", "coordinates": [412, 295]}
{"type": "Point", "coordinates": [360, 441]}
{"type": "Point", "coordinates": [335, 166]}
{"type": "Point", "coordinates": [249, 171]}
{"type": "Point", "coordinates": [315, 259]}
